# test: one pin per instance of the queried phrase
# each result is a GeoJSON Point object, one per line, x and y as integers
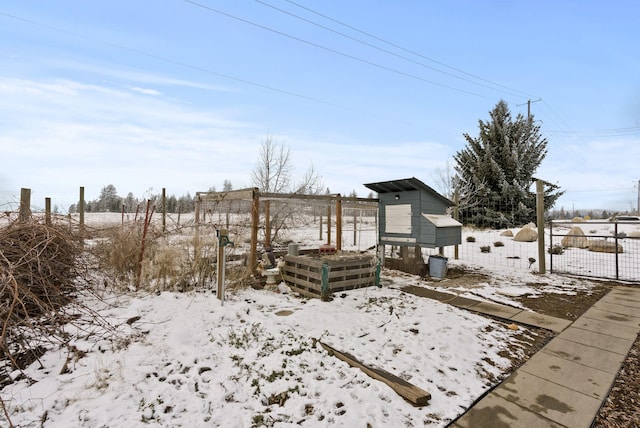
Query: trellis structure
{"type": "Point", "coordinates": [243, 208]}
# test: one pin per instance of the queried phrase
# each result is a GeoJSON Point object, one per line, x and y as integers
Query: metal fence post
{"type": "Point", "coordinates": [615, 234]}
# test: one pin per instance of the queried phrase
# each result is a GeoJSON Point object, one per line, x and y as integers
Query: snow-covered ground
{"type": "Point", "coordinates": [185, 359]}
{"type": "Point", "coordinates": [191, 361]}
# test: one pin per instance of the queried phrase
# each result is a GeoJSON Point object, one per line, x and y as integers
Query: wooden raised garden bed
{"type": "Point", "coordinates": [320, 276]}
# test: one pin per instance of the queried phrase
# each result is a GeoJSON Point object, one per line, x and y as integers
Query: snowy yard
{"type": "Point", "coordinates": [189, 361]}
{"type": "Point", "coordinates": [184, 359]}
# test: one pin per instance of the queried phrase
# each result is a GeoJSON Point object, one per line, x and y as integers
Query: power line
{"type": "Point", "coordinates": [601, 134]}
{"type": "Point", "coordinates": [202, 69]}
{"type": "Point", "coordinates": [523, 94]}
{"type": "Point", "coordinates": [510, 92]}
{"type": "Point", "coordinates": [334, 51]}
{"type": "Point", "coordinates": [630, 128]}
{"type": "Point", "coordinates": [601, 190]}
{"type": "Point", "coordinates": [573, 152]}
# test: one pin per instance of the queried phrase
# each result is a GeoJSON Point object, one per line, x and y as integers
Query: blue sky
{"type": "Point", "coordinates": [180, 94]}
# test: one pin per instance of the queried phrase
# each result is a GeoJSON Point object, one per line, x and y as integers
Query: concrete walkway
{"type": "Point", "coordinates": [565, 383]}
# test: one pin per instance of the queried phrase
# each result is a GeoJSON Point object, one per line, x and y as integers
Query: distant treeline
{"type": "Point", "coordinates": [109, 201]}
{"type": "Point", "coordinates": [563, 214]}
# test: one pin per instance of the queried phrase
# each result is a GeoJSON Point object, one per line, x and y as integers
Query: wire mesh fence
{"type": "Point", "coordinates": [599, 249]}
{"type": "Point", "coordinates": [284, 219]}
{"type": "Point", "coordinates": [607, 249]}
{"type": "Point", "coordinates": [500, 237]}
{"type": "Point", "coordinates": [492, 248]}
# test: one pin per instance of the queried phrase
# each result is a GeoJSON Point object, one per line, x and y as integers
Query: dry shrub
{"type": "Point", "coordinates": [168, 263]}
{"type": "Point", "coordinates": [118, 251]}
{"type": "Point", "coordinates": [37, 264]}
{"type": "Point", "coordinates": [41, 273]}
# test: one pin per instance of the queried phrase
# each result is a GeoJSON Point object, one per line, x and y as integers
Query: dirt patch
{"type": "Point", "coordinates": [566, 306]}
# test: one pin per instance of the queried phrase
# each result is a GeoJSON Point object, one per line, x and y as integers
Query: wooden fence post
{"type": "Point", "coordinates": [252, 261]}
{"type": "Point", "coordinates": [197, 220]}
{"type": "Point", "coordinates": [329, 224]}
{"type": "Point", "coordinates": [47, 211]}
{"type": "Point", "coordinates": [25, 205]}
{"type": "Point", "coordinates": [355, 223]}
{"type": "Point", "coordinates": [338, 222]}
{"type": "Point", "coordinates": [267, 223]}
{"type": "Point", "coordinates": [228, 219]}
{"type": "Point", "coordinates": [542, 266]}
{"type": "Point", "coordinates": [164, 210]}
{"type": "Point", "coordinates": [81, 208]}
{"type": "Point", "coordinates": [456, 216]}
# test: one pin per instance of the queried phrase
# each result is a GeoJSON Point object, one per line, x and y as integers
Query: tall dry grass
{"type": "Point", "coordinates": [170, 262]}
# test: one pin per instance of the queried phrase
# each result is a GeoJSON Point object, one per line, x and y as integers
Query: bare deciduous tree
{"type": "Point", "coordinates": [273, 174]}
{"type": "Point", "coordinates": [311, 183]}
{"type": "Point", "coordinates": [444, 178]}
{"type": "Point", "coordinates": [447, 182]}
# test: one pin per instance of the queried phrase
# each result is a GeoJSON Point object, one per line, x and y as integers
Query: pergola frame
{"type": "Point", "coordinates": [254, 195]}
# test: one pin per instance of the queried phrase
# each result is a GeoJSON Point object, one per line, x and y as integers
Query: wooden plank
{"type": "Point", "coordinates": [242, 194]}
{"type": "Point", "coordinates": [305, 292]}
{"type": "Point", "coordinates": [293, 281]}
{"type": "Point", "coordinates": [334, 261]}
{"type": "Point", "coordinates": [406, 390]}
{"type": "Point", "coordinates": [351, 272]}
{"type": "Point", "coordinates": [352, 283]}
{"type": "Point", "coordinates": [305, 261]}
{"type": "Point", "coordinates": [347, 263]}
{"type": "Point", "coordinates": [303, 273]}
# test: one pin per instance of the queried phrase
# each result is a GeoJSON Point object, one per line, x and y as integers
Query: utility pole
{"type": "Point", "coordinates": [529, 106]}
{"type": "Point", "coordinates": [638, 206]}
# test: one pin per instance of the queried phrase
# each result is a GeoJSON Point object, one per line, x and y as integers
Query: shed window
{"type": "Point", "coordinates": [398, 218]}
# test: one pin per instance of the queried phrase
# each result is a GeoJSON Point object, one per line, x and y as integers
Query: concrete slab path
{"type": "Point", "coordinates": [565, 383]}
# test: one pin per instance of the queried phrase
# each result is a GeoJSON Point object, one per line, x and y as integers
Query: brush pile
{"type": "Point", "coordinates": [38, 277]}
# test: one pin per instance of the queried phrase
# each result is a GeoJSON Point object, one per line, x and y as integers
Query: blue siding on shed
{"type": "Point", "coordinates": [423, 200]}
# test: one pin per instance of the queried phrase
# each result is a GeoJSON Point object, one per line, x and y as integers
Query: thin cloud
{"type": "Point", "coordinates": [108, 70]}
{"type": "Point", "coordinates": [60, 128]}
{"type": "Point", "coordinates": [146, 91]}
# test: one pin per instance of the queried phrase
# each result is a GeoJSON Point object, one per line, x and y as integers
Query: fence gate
{"type": "Point", "coordinates": [599, 249]}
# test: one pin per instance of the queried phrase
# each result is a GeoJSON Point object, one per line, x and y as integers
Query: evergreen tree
{"type": "Point", "coordinates": [172, 204]}
{"type": "Point", "coordinates": [130, 203]}
{"type": "Point", "coordinates": [494, 172]}
{"type": "Point", "coordinates": [185, 203]}
{"type": "Point", "coordinates": [109, 200]}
